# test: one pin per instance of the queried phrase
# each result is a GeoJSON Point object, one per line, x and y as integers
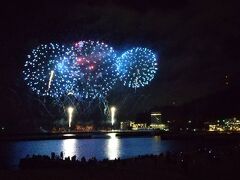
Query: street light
{"type": "Point", "coordinates": [70, 111]}
{"type": "Point", "coordinates": [113, 110]}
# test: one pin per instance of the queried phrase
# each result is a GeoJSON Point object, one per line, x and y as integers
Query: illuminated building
{"type": "Point", "coordinates": [229, 125]}
{"type": "Point", "coordinates": [139, 126]}
{"type": "Point", "coordinates": [130, 125]}
{"type": "Point", "coordinates": [156, 122]}
{"type": "Point", "coordinates": [215, 127]}
{"type": "Point", "coordinates": [156, 118]}
{"type": "Point", "coordinates": [126, 125]}
{"type": "Point", "coordinates": [159, 126]}
{"type": "Point", "coordinates": [84, 128]}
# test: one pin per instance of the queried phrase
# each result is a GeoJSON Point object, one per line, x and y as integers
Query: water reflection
{"type": "Point", "coordinates": [157, 138]}
{"type": "Point", "coordinates": [113, 146]}
{"type": "Point", "coordinates": [69, 147]}
{"type": "Point", "coordinates": [69, 135]}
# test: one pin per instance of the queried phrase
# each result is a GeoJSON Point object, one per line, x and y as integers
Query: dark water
{"type": "Point", "coordinates": [111, 148]}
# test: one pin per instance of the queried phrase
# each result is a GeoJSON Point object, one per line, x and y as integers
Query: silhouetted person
{"type": "Point", "coordinates": [74, 158]}
{"type": "Point", "coordinates": [61, 155]}
{"type": "Point", "coordinates": [67, 158]}
{"type": "Point", "coordinates": [83, 159]}
{"type": "Point", "coordinates": [53, 155]}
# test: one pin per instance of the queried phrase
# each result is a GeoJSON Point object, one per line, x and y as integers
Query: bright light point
{"type": "Point", "coordinates": [155, 114]}
{"type": "Point", "coordinates": [113, 110]}
{"type": "Point", "coordinates": [70, 112]}
{"type": "Point", "coordinates": [69, 135]}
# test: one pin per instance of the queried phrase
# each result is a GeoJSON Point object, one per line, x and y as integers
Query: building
{"type": "Point", "coordinates": [156, 118]}
{"type": "Point", "coordinates": [130, 125]}
{"type": "Point", "coordinates": [126, 125]}
{"type": "Point", "coordinates": [84, 128]}
{"type": "Point", "coordinates": [159, 127]}
{"type": "Point", "coordinates": [229, 125]}
{"type": "Point", "coordinates": [157, 123]}
{"type": "Point", "coordinates": [139, 126]}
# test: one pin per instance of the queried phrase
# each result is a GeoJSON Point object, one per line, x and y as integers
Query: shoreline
{"type": "Point", "coordinates": [120, 134]}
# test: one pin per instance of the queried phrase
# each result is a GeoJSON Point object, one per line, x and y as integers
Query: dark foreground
{"type": "Point", "coordinates": [203, 163]}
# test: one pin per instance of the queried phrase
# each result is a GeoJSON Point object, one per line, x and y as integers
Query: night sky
{"type": "Point", "coordinates": [197, 43]}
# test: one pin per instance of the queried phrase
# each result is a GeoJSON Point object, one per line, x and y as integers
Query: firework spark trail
{"type": "Point", "coordinates": [113, 110]}
{"type": "Point", "coordinates": [50, 79]}
{"type": "Point", "coordinates": [70, 112]}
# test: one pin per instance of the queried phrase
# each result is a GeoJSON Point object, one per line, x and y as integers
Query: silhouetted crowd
{"type": "Point", "coordinates": [202, 163]}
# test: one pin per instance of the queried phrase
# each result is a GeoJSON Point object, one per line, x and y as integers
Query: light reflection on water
{"type": "Point", "coordinates": [110, 147]}
{"type": "Point", "coordinates": [69, 147]}
{"type": "Point", "coordinates": [101, 148]}
{"type": "Point", "coordinates": [113, 146]}
{"type": "Point", "coordinates": [69, 135]}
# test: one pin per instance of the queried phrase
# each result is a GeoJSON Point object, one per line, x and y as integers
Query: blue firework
{"type": "Point", "coordinates": [96, 63]}
{"type": "Point", "coordinates": [137, 67]}
{"type": "Point", "coordinates": [47, 70]}
{"type": "Point", "coordinates": [87, 69]}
